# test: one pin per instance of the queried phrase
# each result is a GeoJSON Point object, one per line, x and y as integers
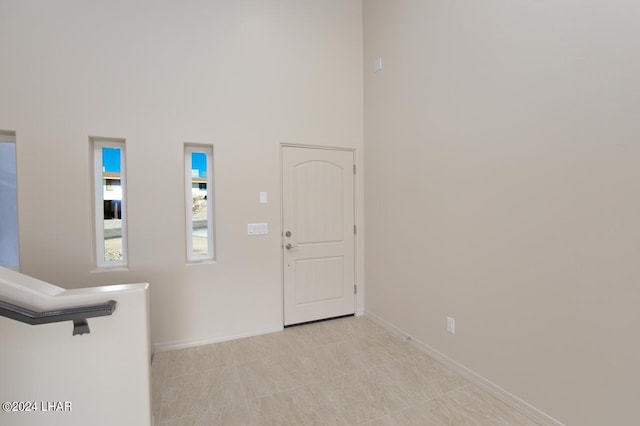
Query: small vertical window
{"type": "Point", "coordinates": [110, 202]}
{"type": "Point", "coordinates": [8, 201]}
{"type": "Point", "coordinates": [199, 202]}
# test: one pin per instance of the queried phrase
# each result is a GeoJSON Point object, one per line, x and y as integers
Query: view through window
{"type": "Point", "coordinates": [8, 201]}
{"type": "Point", "coordinates": [110, 202]}
{"type": "Point", "coordinates": [199, 197]}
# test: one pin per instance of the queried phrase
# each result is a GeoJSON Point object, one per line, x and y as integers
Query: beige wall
{"type": "Point", "coordinates": [502, 167]}
{"type": "Point", "coordinates": [243, 75]}
{"type": "Point", "coordinates": [503, 170]}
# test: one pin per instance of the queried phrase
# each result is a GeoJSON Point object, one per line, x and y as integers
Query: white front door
{"type": "Point", "coordinates": [318, 233]}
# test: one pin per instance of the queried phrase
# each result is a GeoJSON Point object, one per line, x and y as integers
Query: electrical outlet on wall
{"type": "Point", "coordinates": [377, 64]}
{"type": "Point", "coordinates": [451, 325]}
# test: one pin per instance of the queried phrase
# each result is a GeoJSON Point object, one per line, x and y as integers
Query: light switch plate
{"type": "Point", "coordinates": [257, 229]}
{"type": "Point", "coordinates": [263, 198]}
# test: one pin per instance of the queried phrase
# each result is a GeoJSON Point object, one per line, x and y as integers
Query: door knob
{"type": "Point", "coordinates": [289, 246]}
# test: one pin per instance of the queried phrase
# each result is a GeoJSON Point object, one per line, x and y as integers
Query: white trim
{"type": "Point", "coordinates": [210, 256]}
{"type": "Point", "coordinates": [7, 136]}
{"type": "Point", "coordinates": [183, 344]}
{"type": "Point", "coordinates": [358, 310]}
{"type": "Point", "coordinates": [326, 147]}
{"type": "Point", "coordinates": [495, 390]}
{"type": "Point", "coordinates": [98, 206]}
{"type": "Point", "coordinates": [108, 268]}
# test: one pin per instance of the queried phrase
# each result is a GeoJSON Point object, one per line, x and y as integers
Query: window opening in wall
{"type": "Point", "coordinates": [199, 202]}
{"type": "Point", "coordinates": [110, 202]}
{"type": "Point", "coordinates": [8, 201]}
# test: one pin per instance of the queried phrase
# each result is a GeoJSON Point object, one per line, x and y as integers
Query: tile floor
{"type": "Point", "coordinates": [347, 371]}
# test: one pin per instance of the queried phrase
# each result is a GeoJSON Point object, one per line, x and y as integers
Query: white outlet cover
{"type": "Point", "coordinates": [451, 325]}
{"type": "Point", "coordinates": [377, 65]}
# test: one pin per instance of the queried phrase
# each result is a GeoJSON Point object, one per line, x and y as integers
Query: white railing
{"type": "Point", "coordinates": [50, 377]}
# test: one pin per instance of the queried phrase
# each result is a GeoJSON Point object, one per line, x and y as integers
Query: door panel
{"type": "Point", "coordinates": [318, 240]}
{"type": "Point", "coordinates": [319, 280]}
{"type": "Point", "coordinates": [318, 202]}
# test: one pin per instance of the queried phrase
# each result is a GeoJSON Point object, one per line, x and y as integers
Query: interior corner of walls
{"type": "Point", "coordinates": [507, 397]}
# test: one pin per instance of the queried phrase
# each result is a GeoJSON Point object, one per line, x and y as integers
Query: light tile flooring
{"type": "Point", "coordinates": [346, 371]}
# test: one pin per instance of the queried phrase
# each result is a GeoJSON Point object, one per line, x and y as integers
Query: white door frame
{"type": "Point", "coordinates": [355, 218]}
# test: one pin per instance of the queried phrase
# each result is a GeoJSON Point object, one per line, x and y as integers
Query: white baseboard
{"type": "Point", "coordinates": [495, 390]}
{"type": "Point", "coordinates": [182, 344]}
